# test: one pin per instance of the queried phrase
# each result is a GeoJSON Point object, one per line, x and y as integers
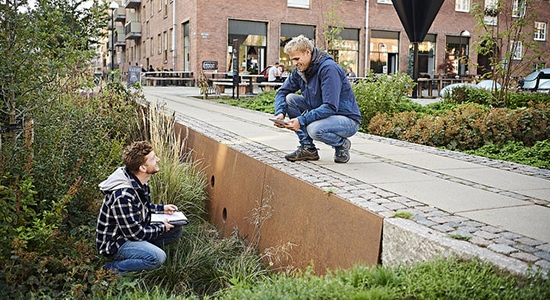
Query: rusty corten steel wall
{"type": "Point", "coordinates": [323, 228]}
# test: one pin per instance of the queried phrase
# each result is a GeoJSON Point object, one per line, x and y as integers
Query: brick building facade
{"type": "Point", "coordinates": [373, 37]}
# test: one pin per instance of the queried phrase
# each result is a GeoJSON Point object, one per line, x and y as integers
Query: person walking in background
{"type": "Point", "coordinates": [124, 232]}
{"type": "Point", "coordinates": [326, 111]}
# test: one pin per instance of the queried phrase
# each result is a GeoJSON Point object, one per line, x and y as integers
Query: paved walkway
{"type": "Point", "coordinates": [501, 206]}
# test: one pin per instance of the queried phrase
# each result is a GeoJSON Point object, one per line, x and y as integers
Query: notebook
{"type": "Point", "coordinates": [177, 218]}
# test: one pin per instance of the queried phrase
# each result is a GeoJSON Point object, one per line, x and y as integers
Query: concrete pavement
{"type": "Point", "coordinates": [499, 206]}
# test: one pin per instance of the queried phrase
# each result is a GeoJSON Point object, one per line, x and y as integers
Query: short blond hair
{"type": "Point", "coordinates": [299, 43]}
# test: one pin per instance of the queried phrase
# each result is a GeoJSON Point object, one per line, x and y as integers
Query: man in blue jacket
{"type": "Point", "coordinates": [327, 110]}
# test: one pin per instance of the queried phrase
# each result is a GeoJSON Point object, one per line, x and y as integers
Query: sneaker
{"type": "Point", "coordinates": [341, 153]}
{"type": "Point", "coordinates": [303, 153]}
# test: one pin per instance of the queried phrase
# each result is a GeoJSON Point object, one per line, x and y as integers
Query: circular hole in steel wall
{"type": "Point", "coordinates": [224, 214]}
{"type": "Point", "coordinates": [212, 179]}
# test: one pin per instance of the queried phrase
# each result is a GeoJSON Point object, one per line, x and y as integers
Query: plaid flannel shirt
{"type": "Point", "coordinates": [125, 215]}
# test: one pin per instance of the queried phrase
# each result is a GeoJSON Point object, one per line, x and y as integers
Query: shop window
{"type": "Point", "coordinates": [456, 56]}
{"type": "Point", "coordinates": [346, 50]}
{"type": "Point", "coordinates": [384, 52]}
{"type": "Point", "coordinates": [288, 32]}
{"type": "Point", "coordinates": [252, 39]}
{"type": "Point", "coordinates": [426, 55]}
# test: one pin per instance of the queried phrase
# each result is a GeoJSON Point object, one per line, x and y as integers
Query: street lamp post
{"type": "Point", "coordinates": [113, 7]}
{"type": "Point", "coordinates": [464, 33]}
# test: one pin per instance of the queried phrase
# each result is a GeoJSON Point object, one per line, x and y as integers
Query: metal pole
{"type": "Point", "coordinates": [112, 40]}
{"type": "Point", "coordinates": [415, 71]}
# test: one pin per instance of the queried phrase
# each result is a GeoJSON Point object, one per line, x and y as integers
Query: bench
{"type": "Point", "coordinates": [220, 87]}
{"type": "Point", "coordinates": [270, 85]}
{"type": "Point", "coordinates": [153, 81]}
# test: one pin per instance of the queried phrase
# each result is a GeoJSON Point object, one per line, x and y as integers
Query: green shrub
{"type": "Point", "coordinates": [466, 127]}
{"type": "Point", "coordinates": [522, 99]}
{"type": "Point", "coordinates": [465, 94]}
{"type": "Point", "coordinates": [515, 99]}
{"type": "Point", "coordinates": [538, 155]}
{"type": "Point", "coordinates": [49, 189]}
{"type": "Point", "coordinates": [380, 94]}
{"type": "Point", "coordinates": [262, 102]}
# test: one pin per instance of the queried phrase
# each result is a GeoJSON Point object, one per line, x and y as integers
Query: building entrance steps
{"type": "Point", "coordinates": [501, 208]}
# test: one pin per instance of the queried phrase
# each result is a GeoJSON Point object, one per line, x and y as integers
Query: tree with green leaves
{"type": "Point", "coordinates": [505, 35]}
{"type": "Point", "coordinates": [41, 46]}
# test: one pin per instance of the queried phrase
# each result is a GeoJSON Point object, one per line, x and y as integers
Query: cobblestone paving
{"type": "Point", "coordinates": [387, 204]}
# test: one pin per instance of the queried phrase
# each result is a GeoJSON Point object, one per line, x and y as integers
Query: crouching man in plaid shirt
{"type": "Point", "coordinates": [124, 231]}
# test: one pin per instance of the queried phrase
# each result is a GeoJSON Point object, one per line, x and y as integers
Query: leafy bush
{"type": "Point", "coordinates": [538, 155]}
{"type": "Point", "coordinates": [49, 188]}
{"type": "Point", "coordinates": [465, 94]}
{"type": "Point", "coordinates": [467, 127]}
{"type": "Point", "coordinates": [380, 94]}
{"type": "Point", "coordinates": [484, 97]}
{"type": "Point", "coordinates": [262, 102]}
{"type": "Point", "coordinates": [522, 99]}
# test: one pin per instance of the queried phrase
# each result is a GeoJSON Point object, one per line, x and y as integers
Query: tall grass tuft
{"type": "Point", "coordinates": [181, 181]}
{"type": "Point", "coordinates": [201, 263]}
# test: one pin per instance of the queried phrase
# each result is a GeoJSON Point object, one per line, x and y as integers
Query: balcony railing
{"type": "Point", "coordinates": [133, 30]}
{"type": "Point", "coordinates": [120, 39]}
{"type": "Point", "coordinates": [132, 3]}
{"type": "Point", "coordinates": [120, 14]}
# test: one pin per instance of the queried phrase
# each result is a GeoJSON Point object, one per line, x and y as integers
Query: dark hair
{"type": "Point", "coordinates": [134, 155]}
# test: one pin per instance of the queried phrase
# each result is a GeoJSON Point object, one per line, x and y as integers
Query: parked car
{"type": "Point", "coordinates": [537, 81]}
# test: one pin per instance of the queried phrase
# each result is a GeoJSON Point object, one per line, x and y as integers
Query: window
{"type": "Point", "coordinates": [516, 50]}
{"type": "Point", "coordinates": [172, 38]}
{"type": "Point", "coordinates": [384, 52]}
{"type": "Point", "coordinates": [152, 47]}
{"type": "Point", "coordinates": [186, 57]}
{"type": "Point", "coordinates": [165, 47]}
{"type": "Point", "coordinates": [252, 39]}
{"type": "Point", "coordinates": [147, 28]}
{"type": "Point", "coordinates": [456, 55]}
{"type": "Point", "coordinates": [159, 51]}
{"type": "Point", "coordinates": [346, 52]}
{"type": "Point", "coordinates": [462, 5]}
{"type": "Point", "coordinates": [288, 31]}
{"type": "Point", "coordinates": [160, 4]}
{"type": "Point", "coordinates": [518, 8]}
{"type": "Point", "coordinates": [298, 3]}
{"type": "Point", "coordinates": [491, 12]}
{"type": "Point", "coordinates": [384, 1]}
{"type": "Point", "coordinates": [540, 31]}
{"type": "Point", "coordinates": [144, 48]}
{"type": "Point", "coordinates": [152, 7]}
{"type": "Point", "coordinates": [426, 54]}
{"type": "Point", "coordinates": [165, 8]}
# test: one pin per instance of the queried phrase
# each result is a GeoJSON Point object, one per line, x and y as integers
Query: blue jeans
{"type": "Point", "coordinates": [331, 131]}
{"type": "Point", "coordinates": [142, 255]}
